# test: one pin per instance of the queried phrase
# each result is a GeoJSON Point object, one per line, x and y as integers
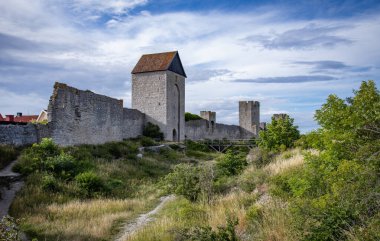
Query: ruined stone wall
{"type": "Point", "coordinates": [203, 129]}
{"type": "Point", "coordinates": [20, 135]}
{"type": "Point", "coordinates": [83, 117]}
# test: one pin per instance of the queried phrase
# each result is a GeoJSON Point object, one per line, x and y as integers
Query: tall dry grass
{"type": "Point", "coordinates": [86, 220]}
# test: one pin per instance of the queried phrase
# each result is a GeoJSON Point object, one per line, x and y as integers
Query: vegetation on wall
{"type": "Point", "coordinates": [189, 116]}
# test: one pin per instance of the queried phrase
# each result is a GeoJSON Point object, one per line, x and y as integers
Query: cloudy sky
{"type": "Point", "coordinates": [289, 55]}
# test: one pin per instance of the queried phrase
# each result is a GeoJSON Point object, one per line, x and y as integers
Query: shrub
{"type": "Point", "coordinates": [260, 157]}
{"type": "Point", "coordinates": [33, 159]}
{"type": "Point", "coordinates": [205, 233]}
{"type": "Point", "coordinates": [189, 116]}
{"type": "Point", "coordinates": [196, 146]}
{"type": "Point", "coordinates": [90, 183]}
{"type": "Point", "coordinates": [147, 141]}
{"type": "Point", "coordinates": [63, 166]}
{"type": "Point", "coordinates": [153, 131]}
{"type": "Point", "coordinates": [49, 183]}
{"type": "Point", "coordinates": [231, 163]}
{"type": "Point", "coordinates": [184, 180]}
{"type": "Point", "coordinates": [311, 140]}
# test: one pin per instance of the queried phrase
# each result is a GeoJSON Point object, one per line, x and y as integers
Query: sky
{"type": "Point", "coordinates": [289, 55]}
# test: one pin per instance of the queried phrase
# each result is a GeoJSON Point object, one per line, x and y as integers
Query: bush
{"type": "Point", "coordinates": [189, 116]}
{"type": "Point", "coordinates": [196, 146]}
{"type": "Point", "coordinates": [184, 180]}
{"type": "Point", "coordinates": [34, 158]}
{"type": "Point", "coordinates": [205, 233]}
{"type": "Point", "coordinates": [90, 183]}
{"type": "Point", "coordinates": [147, 141]}
{"type": "Point", "coordinates": [311, 140]}
{"type": "Point", "coordinates": [153, 131]}
{"type": "Point", "coordinates": [49, 183]}
{"type": "Point", "coordinates": [260, 157]}
{"type": "Point", "coordinates": [231, 163]}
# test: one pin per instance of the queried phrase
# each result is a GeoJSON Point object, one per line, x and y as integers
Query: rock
{"type": "Point", "coordinates": [140, 155]}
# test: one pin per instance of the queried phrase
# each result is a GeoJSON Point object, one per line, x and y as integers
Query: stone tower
{"type": "Point", "coordinates": [249, 116]}
{"type": "Point", "coordinates": [158, 90]}
{"type": "Point", "coordinates": [210, 116]}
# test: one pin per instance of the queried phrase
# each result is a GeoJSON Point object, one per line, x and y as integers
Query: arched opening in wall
{"type": "Point", "coordinates": [175, 137]}
{"type": "Point", "coordinates": [178, 113]}
{"type": "Point", "coordinates": [212, 126]}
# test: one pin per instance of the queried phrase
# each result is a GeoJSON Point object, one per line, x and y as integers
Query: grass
{"type": "Point", "coordinates": [7, 155]}
{"type": "Point", "coordinates": [53, 206]}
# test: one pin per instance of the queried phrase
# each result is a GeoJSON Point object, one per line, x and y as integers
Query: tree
{"type": "Point", "coordinates": [281, 133]}
{"type": "Point", "coordinates": [190, 116]}
{"type": "Point", "coordinates": [153, 131]}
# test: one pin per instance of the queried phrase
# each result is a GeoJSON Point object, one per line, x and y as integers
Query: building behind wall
{"type": "Point", "coordinates": [158, 90]}
{"type": "Point", "coordinates": [249, 116]}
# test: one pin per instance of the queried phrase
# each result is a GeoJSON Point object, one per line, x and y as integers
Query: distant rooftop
{"type": "Point", "coordinates": [160, 62]}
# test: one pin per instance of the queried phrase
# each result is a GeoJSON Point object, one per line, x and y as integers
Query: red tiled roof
{"type": "Point", "coordinates": [154, 62]}
{"type": "Point", "coordinates": [1, 118]}
{"type": "Point", "coordinates": [25, 118]}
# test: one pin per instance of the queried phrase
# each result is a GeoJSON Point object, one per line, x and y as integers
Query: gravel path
{"type": "Point", "coordinates": [142, 220]}
{"type": "Point", "coordinates": [8, 193]}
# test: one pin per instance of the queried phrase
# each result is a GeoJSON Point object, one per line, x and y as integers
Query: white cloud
{"type": "Point", "coordinates": [213, 46]}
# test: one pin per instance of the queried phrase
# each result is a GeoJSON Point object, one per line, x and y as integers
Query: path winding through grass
{"type": "Point", "coordinates": [142, 220]}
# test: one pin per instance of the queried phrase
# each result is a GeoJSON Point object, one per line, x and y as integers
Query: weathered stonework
{"type": "Point", "coordinates": [161, 96]}
{"type": "Point", "coordinates": [83, 117]}
{"type": "Point", "coordinates": [249, 116]}
{"type": "Point", "coordinates": [20, 135]}
{"type": "Point", "coordinates": [201, 129]}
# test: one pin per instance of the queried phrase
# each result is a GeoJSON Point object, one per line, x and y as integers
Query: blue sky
{"type": "Point", "coordinates": [289, 55]}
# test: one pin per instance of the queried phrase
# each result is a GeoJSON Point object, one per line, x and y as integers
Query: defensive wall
{"type": "Point", "coordinates": [19, 135]}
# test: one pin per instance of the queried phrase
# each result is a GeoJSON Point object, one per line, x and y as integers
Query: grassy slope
{"type": "Point", "coordinates": [260, 216]}
{"type": "Point", "coordinates": [65, 214]}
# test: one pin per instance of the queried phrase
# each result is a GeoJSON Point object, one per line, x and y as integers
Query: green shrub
{"type": "Point", "coordinates": [49, 183]}
{"type": "Point", "coordinates": [153, 131]}
{"type": "Point", "coordinates": [90, 183]}
{"type": "Point", "coordinates": [184, 180]}
{"type": "Point", "coordinates": [261, 157]}
{"type": "Point", "coordinates": [189, 116]}
{"type": "Point", "coordinates": [147, 141]}
{"type": "Point", "coordinates": [34, 158]}
{"type": "Point", "coordinates": [231, 163]}
{"type": "Point", "coordinates": [205, 233]}
{"type": "Point", "coordinates": [196, 146]}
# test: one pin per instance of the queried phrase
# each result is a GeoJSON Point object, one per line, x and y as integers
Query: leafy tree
{"type": "Point", "coordinates": [190, 116]}
{"type": "Point", "coordinates": [231, 163]}
{"type": "Point", "coordinates": [280, 134]}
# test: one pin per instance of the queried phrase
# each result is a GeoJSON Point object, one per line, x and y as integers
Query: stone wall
{"type": "Point", "coordinates": [20, 135]}
{"type": "Point", "coordinates": [203, 129]}
{"type": "Point", "coordinates": [83, 117]}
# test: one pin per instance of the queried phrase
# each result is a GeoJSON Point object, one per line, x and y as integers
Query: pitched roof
{"type": "Point", "coordinates": [25, 118]}
{"type": "Point", "coordinates": [1, 118]}
{"type": "Point", "coordinates": [160, 62]}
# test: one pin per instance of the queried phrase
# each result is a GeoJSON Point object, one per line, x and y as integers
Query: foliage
{"type": "Point", "coordinates": [205, 233]}
{"type": "Point", "coordinates": [334, 195]}
{"type": "Point", "coordinates": [260, 157]}
{"type": "Point", "coordinates": [7, 154]}
{"type": "Point", "coordinates": [35, 157]}
{"type": "Point", "coordinates": [147, 141]}
{"type": "Point", "coordinates": [189, 116]}
{"type": "Point", "coordinates": [231, 163]}
{"type": "Point", "coordinates": [8, 229]}
{"type": "Point", "coordinates": [184, 180]}
{"type": "Point", "coordinates": [311, 140]}
{"type": "Point", "coordinates": [153, 131]}
{"type": "Point", "coordinates": [280, 134]}
{"type": "Point", "coordinates": [90, 182]}
{"type": "Point", "coordinates": [196, 146]}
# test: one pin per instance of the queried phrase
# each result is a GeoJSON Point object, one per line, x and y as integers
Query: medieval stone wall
{"type": "Point", "coordinates": [203, 129]}
{"type": "Point", "coordinates": [20, 135]}
{"type": "Point", "coordinates": [83, 117]}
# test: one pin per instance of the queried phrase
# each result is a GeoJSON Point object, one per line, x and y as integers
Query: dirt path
{"type": "Point", "coordinates": [142, 220]}
{"type": "Point", "coordinates": [8, 193]}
